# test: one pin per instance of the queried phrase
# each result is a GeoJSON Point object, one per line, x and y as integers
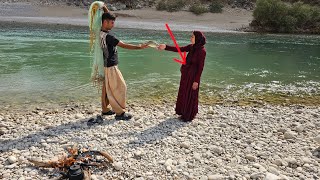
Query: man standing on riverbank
{"type": "Point", "coordinates": [114, 87]}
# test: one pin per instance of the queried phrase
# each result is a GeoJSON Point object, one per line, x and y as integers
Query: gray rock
{"type": "Point", "coordinates": [291, 160]}
{"type": "Point", "coordinates": [273, 170]}
{"type": "Point", "coordinates": [317, 139]}
{"type": "Point", "coordinates": [121, 6]}
{"type": "Point", "coordinates": [210, 116]}
{"type": "Point", "coordinates": [223, 125]}
{"type": "Point", "coordinates": [258, 175]}
{"type": "Point", "coordinates": [300, 128]}
{"type": "Point", "coordinates": [113, 8]}
{"type": "Point", "coordinates": [282, 130]}
{"type": "Point", "coordinates": [278, 162]}
{"type": "Point", "coordinates": [260, 167]}
{"type": "Point", "coordinates": [250, 157]}
{"type": "Point", "coordinates": [91, 111]}
{"type": "Point", "coordinates": [2, 132]}
{"type": "Point", "coordinates": [217, 150]}
{"type": "Point", "coordinates": [289, 135]}
{"type": "Point", "coordinates": [11, 166]}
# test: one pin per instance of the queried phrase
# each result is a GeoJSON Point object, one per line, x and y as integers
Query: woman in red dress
{"type": "Point", "coordinates": [188, 96]}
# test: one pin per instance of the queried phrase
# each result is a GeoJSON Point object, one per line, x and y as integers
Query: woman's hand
{"type": "Point", "coordinates": [195, 86]}
{"type": "Point", "coordinates": [162, 47]}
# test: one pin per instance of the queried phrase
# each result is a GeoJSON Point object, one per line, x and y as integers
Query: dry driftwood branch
{"type": "Point", "coordinates": [74, 156]}
{"type": "Point", "coordinates": [61, 163]}
{"type": "Point", "coordinates": [101, 153]}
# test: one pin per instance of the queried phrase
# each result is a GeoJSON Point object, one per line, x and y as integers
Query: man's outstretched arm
{"type": "Point", "coordinates": [130, 46]}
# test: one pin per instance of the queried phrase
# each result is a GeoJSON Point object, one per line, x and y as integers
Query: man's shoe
{"type": "Point", "coordinates": [109, 113]}
{"type": "Point", "coordinates": [124, 116]}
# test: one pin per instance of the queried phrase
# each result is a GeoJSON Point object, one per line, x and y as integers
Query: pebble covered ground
{"type": "Point", "coordinates": [223, 142]}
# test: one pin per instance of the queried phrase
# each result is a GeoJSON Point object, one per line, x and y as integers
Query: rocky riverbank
{"type": "Point", "coordinates": [58, 12]}
{"type": "Point", "coordinates": [224, 142]}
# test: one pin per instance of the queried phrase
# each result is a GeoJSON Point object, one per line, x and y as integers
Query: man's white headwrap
{"type": "Point", "coordinates": [95, 23]}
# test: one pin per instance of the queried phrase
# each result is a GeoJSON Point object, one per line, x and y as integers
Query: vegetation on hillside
{"type": "Point", "coordinates": [197, 7]}
{"type": "Point", "coordinates": [281, 17]}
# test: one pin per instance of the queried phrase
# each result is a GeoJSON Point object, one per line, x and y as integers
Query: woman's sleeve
{"type": "Point", "coordinates": [201, 59]}
{"type": "Point", "coordinates": [174, 49]}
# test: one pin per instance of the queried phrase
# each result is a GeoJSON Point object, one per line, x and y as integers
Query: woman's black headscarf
{"type": "Point", "coordinates": [200, 41]}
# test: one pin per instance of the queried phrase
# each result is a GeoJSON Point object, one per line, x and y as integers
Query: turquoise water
{"type": "Point", "coordinates": [52, 64]}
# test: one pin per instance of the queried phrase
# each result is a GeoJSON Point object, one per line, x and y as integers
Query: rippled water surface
{"type": "Point", "coordinates": [52, 64]}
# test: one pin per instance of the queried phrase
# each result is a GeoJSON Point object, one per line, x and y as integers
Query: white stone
{"type": "Point", "coordinates": [210, 110]}
{"type": "Point", "coordinates": [306, 160]}
{"type": "Point", "coordinates": [149, 173]}
{"type": "Point", "coordinates": [138, 153]}
{"type": "Point", "coordinates": [217, 150]}
{"type": "Point", "coordinates": [270, 176]}
{"type": "Point", "coordinates": [79, 116]}
{"type": "Point", "coordinates": [203, 178]}
{"type": "Point", "coordinates": [117, 166]}
{"type": "Point", "coordinates": [94, 177]}
{"type": "Point", "coordinates": [284, 177]}
{"type": "Point", "coordinates": [168, 162]}
{"type": "Point", "coordinates": [197, 156]}
{"type": "Point", "coordinates": [216, 177]}
{"type": "Point", "coordinates": [162, 162]}
{"type": "Point", "coordinates": [168, 168]}
{"type": "Point", "coordinates": [12, 159]}
{"type": "Point", "coordinates": [185, 145]}
{"type": "Point", "coordinates": [11, 166]}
